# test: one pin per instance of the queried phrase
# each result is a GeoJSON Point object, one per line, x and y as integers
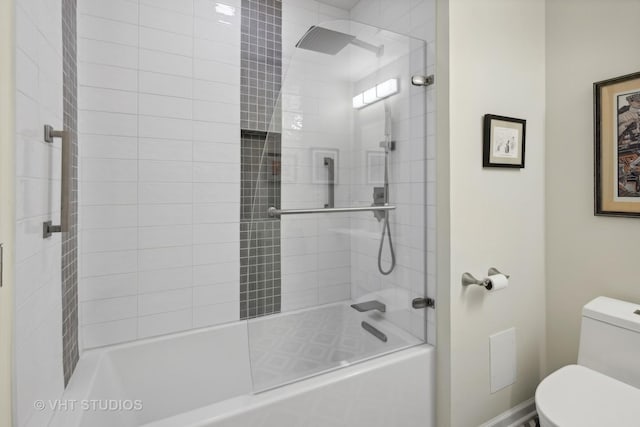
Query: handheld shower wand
{"type": "Point", "coordinates": [389, 145]}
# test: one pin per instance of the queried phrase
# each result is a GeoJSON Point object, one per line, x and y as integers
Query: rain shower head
{"type": "Point", "coordinates": [324, 40]}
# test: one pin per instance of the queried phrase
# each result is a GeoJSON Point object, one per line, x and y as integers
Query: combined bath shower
{"type": "Point", "coordinates": [330, 42]}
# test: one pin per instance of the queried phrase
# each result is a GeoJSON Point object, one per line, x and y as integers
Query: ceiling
{"type": "Point", "coordinates": [342, 4]}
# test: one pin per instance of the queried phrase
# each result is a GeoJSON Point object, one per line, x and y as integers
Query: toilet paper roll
{"type": "Point", "coordinates": [497, 282]}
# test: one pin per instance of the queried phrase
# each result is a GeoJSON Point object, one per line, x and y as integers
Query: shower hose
{"type": "Point", "coordinates": [386, 229]}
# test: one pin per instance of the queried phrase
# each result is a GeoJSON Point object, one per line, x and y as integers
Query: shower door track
{"type": "Point", "coordinates": [278, 212]}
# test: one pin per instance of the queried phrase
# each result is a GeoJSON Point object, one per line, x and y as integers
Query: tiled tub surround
{"type": "Point", "coordinates": [204, 377]}
{"type": "Point", "coordinates": [159, 122]}
{"type": "Point", "coordinates": [38, 351]}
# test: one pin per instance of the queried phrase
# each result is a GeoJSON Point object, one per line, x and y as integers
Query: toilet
{"type": "Point", "coordinates": [603, 389]}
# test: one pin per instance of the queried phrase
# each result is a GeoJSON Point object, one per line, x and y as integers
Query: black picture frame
{"type": "Point", "coordinates": [616, 127]}
{"type": "Point", "coordinates": [503, 142]}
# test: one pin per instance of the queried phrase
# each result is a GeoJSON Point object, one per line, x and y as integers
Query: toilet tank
{"type": "Point", "coordinates": [610, 339]}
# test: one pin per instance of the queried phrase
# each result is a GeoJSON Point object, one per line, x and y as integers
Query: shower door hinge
{"type": "Point", "coordinates": [423, 303]}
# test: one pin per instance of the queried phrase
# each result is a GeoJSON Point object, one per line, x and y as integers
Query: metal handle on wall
{"type": "Point", "coordinates": [328, 162]}
{"type": "Point", "coordinates": [65, 183]}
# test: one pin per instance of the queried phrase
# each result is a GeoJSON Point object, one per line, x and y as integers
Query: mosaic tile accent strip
{"type": "Point", "coordinates": [260, 64]}
{"type": "Point", "coordinates": [260, 82]}
{"type": "Point", "coordinates": [70, 353]}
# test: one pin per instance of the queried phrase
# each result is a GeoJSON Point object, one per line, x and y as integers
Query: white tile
{"type": "Point", "coordinates": [107, 146]}
{"type": "Point", "coordinates": [167, 63]}
{"type": "Point", "coordinates": [166, 20]}
{"type": "Point", "coordinates": [216, 192]}
{"type": "Point", "coordinates": [110, 239]}
{"type": "Point", "coordinates": [165, 171]}
{"type": "Point", "coordinates": [166, 192]}
{"type": "Point", "coordinates": [111, 286]}
{"type": "Point", "coordinates": [118, 10]}
{"type": "Point", "coordinates": [215, 112]}
{"type": "Point", "coordinates": [164, 323]}
{"type": "Point", "coordinates": [180, 6]}
{"type": "Point", "coordinates": [109, 193]}
{"type": "Point", "coordinates": [225, 30]}
{"type": "Point", "coordinates": [216, 294]}
{"type": "Point", "coordinates": [107, 333]}
{"type": "Point", "coordinates": [162, 302]}
{"type": "Point", "coordinates": [216, 92]}
{"type": "Point", "coordinates": [216, 233]}
{"type": "Point", "coordinates": [216, 172]}
{"type": "Point", "coordinates": [215, 132]}
{"type": "Point", "coordinates": [156, 127]}
{"type": "Point", "coordinates": [107, 123]}
{"type": "Point", "coordinates": [328, 294]}
{"type": "Point", "coordinates": [296, 282]}
{"type": "Point", "coordinates": [297, 300]}
{"type": "Point", "coordinates": [216, 152]}
{"type": "Point", "coordinates": [215, 314]}
{"type": "Point", "coordinates": [216, 71]}
{"type": "Point", "coordinates": [95, 28]}
{"type": "Point", "coordinates": [108, 170]}
{"type": "Point", "coordinates": [165, 149]}
{"type": "Point", "coordinates": [216, 213]}
{"type": "Point", "coordinates": [109, 309]}
{"type": "Point", "coordinates": [108, 216]}
{"type": "Point", "coordinates": [165, 106]}
{"type": "Point", "coordinates": [165, 41]}
{"type": "Point", "coordinates": [107, 53]}
{"type": "Point", "coordinates": [299, 264]}
{"type": "Point", "coordinates": [216, 253]}
{"type": "Point", "coordinates": [165, 236]}
{"type": "Point", "coordinates": [105, 263]}
{"type": "Point", "coordinates": [104, 76]}
{"type": "Point", "coordinates": [165, 84]}
{"type": "Point", "coordinates": [107, 100]}
{"type": "Point", "coordinates": [153, 259]}
{"type": "Point", "coordinates": [217, 273]}
{"type": "Point", "coordinates": [163, 214]}
{"type": "Point", "coordinates": [165, 279]}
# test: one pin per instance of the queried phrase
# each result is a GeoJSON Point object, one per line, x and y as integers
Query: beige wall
{"type": "Point", "coordinates": [496, 65]}
{"type": "Point", "coordinates": [587, 256]}
{"type": "Point", "coordinates": [7, 218]}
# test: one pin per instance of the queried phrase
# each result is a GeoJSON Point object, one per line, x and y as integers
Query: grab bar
{"type": "Point", "coordinates": [65, 183]}
{"type": "Point", "coordinates": [328, 162]}
{"type": "Point", "coordinates": [278, 212]}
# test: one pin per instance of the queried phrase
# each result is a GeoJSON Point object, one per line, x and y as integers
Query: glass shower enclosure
{"type": "Point", "coordinates": [336, 217]}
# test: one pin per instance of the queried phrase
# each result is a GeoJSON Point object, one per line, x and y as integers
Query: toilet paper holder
{"type": "Point", "coordinates": [468, 279]}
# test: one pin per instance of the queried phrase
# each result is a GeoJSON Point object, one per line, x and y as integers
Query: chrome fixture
{"type": "Point", "coordinates": [273, 212]}
{"type": "Point", "coordinates": [1, 261]}
{"type": "Point", "coordinates": [419, 80]}
{"type": "Point", "coordinates": [374, 331]}
{"type": "Point", "coordinates": [468, 279]}
{"type": "Point", "coordinates": [389, 145]}
{"type": "Point", "coordinates": [324, 40]}
{"type": "Point", "coordinates": [370, 305]}
{"type": "Point", "coordinates": [418, 303]}
{"type": "Point", "coordinates": [65, 192]}
{"type": "Point", "coordinates": [331, 184]}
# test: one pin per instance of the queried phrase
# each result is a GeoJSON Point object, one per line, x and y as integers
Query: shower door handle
{"type": "Point", "coordinates": [331, 183]}
{"type": "Point", "coordinates": [65, 182]}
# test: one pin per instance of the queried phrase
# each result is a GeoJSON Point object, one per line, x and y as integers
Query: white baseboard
{"type": "Point", "coordinates": [514, 416]}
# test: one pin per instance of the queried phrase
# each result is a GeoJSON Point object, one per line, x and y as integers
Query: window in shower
{"type": "Point", "coordinates": [351, 208]}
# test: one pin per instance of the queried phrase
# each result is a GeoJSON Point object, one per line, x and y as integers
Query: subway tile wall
{"type": "Point", "coordinates": [38, 298]}
{"type": "Point", "coordinates": [159, 86]}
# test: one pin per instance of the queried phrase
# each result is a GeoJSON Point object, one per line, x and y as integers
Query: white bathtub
{"type": "Point", "coordinates": [203, 378]}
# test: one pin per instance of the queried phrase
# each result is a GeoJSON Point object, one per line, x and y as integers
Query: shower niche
{"type": "Point", "coordinates": [351, 208]}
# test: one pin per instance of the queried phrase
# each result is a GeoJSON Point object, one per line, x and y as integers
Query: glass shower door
{"type": "Point", "coordinates": [351, 206]}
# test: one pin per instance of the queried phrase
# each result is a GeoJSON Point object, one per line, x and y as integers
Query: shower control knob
{"type": "Point", "coordinates": [423, 303]}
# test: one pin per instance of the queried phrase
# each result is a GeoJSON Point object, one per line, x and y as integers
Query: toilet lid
{"type": "Point", "coordinates": [575, 396]}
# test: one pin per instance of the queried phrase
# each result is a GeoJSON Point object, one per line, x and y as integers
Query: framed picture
{"type": "Point", "coordinates": [617, 146]}
{"type": "Point", "coordinates": [503, 142]}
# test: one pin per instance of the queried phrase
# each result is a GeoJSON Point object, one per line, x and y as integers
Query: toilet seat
{"type": "Point", "coordinates": [576, 396]}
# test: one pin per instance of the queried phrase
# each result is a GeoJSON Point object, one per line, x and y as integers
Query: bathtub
{"type": "Point", "coordinates": [204, 378]}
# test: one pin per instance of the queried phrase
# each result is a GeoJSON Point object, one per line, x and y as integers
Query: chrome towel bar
{"type": "Point", "coordinates": [278, 212]}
